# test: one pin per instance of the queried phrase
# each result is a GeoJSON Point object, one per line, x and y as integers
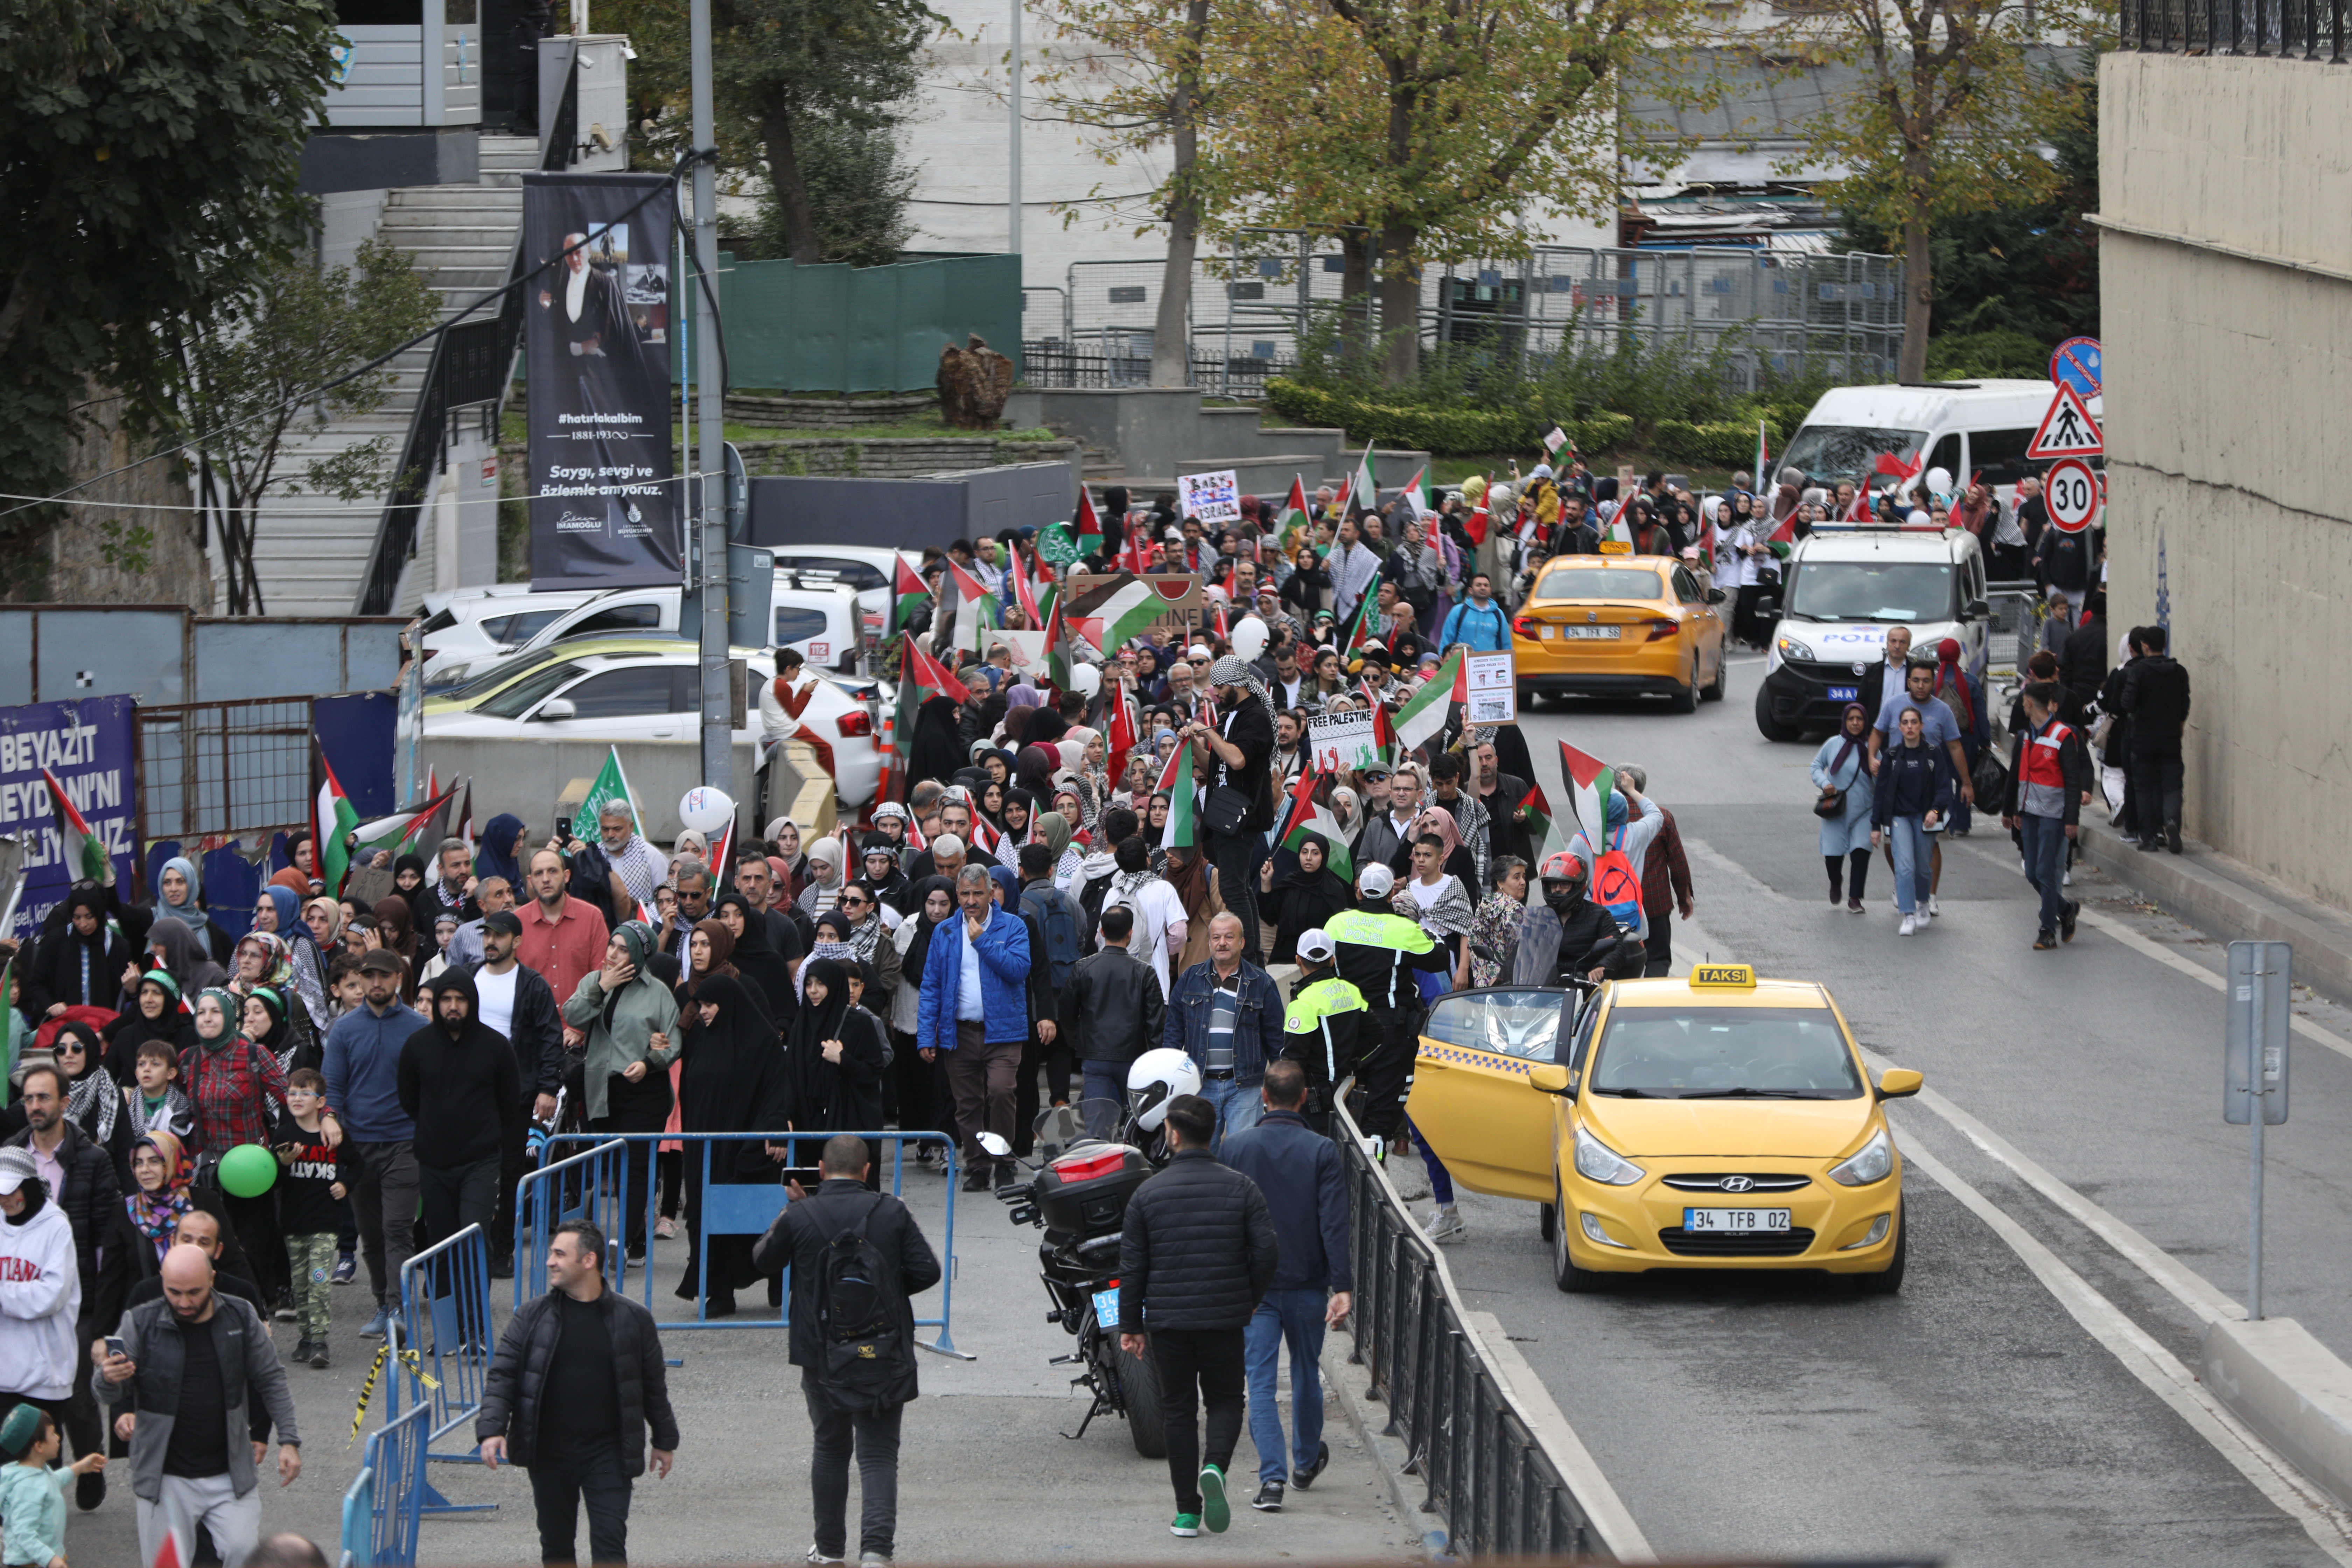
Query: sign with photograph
{"type": "Point", "coordinates": [1337, 740]}
{"type": "Point", "coordinates": [604, 495]}
{"type": "Point", "coordinates": [1212, 499]}
{"type": "Point", "coordinates": [1492, 681]}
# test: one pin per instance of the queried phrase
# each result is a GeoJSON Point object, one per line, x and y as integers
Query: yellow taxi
{"type": "Point", "coordinates": [1620, 626]}
{"type": "Point", "coordinates": [1717, 1121]}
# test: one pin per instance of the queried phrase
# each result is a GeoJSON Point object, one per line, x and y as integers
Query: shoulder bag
{"type": "Point", "coordinates": [1832, 801]}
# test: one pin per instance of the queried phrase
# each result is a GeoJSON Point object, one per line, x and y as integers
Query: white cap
{"type": "Point", "coordinates": [1198, 651]}
{"type": "Point", "coordinates": [1316, 946]}
{"type": "Point", "coordinates": [16, 1168]}
{"type": "Point", "coordinates": [1376, 880]}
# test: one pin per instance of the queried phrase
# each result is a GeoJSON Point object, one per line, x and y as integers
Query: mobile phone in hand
{"type": "Point", "coordinates": [114, 1345]}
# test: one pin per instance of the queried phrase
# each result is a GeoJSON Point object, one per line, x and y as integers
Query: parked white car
{"type": "Point", "coordinates": [475, 624]}
{"type": "Point", "coordinates": [820, 622]}
{"type": "Point", "coordinates": [865, 569]}
{"type": "Point", "coordinates": [652, 692]}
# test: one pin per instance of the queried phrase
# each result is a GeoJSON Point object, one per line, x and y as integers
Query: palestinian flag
{"type": "Point", "coordinates": [1089, 524]}
{"type": "Point", "coordinates": [1297, 805]}
{"type": "Point", "coordinates": [1416, 493]}
{"type": "Point", "coordinates": [986, 837]}
{"type": "Point", "coordinates": [1359, 625]}
{"type": "Point", "coordinates": [971, 609]}
{"type": "Point", "coordinates": [1179, 835]}
{"type": "Point", "coordinates": [1110, 613]}
{"type": "Point", "coordinates": [1024, 596]}
{"type": "Point", "coordinates": [1320, 823]}
{"type": "Point", "coordinates": [1295, 515]}
{"type": "Point", "coordinates": [1590, 783]}
{"type": "Point", "coordinates": [1764, 486]}
{"type": "Point", "coordinates": [80, 849]}
{"type": "Point", "coordinates": [1475, 523]}
{"type": "Point", "coordinates": [1364, 491]}
{"type": "Point", "coordinates": [465, 818]}
{"type": "Point", "coordinates": [1542, 830]}
{"type": "Point", "coordinates": [929, 676]}
{"type": "Point", "coordinates": [908, 594]}
{"type": "Point", "coordinates": [430, 825]}
{"type": "Point", "coordinates": [405, 827]}
{"type": "Point", "coordinates": [332, 819]}
{"type": "Point", "coordinates": [1422, 717]}
{"type": "Point", "coordinates": [1125, 732]}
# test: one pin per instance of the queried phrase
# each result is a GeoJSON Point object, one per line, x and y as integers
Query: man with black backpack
{"type": "Point", "coordinates": [1059, 921]}
{"type": "Point", "coordinates": [856, 1257]}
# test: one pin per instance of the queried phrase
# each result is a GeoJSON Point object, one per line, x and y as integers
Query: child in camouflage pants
{"type": "Point", "coordinates": [310, 1186]}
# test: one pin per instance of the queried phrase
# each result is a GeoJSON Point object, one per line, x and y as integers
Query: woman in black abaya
{"type": "Point", "coordinates": [758, 962]}
{"type": "Point", "coordinates": [833, 1061]}
{"type": "Point", "coordinates": [731, 1079]}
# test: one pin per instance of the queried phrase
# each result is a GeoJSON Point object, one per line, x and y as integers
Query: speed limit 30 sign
{"type": "Point", "coordinates": [2072, 493]}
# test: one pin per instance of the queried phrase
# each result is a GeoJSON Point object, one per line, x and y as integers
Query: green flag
{"type": "Point", "coordinates": [609, 786]}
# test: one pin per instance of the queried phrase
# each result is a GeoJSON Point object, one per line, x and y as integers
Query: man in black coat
{"type": "Point", "coordinates": [578, 1378]}
{"type": "Point", "coordinates": [457, 1082]}
{"type": "Point", "coordinates": [1236, 757]}
{"type": "Point", "coordinates": [799, 1238]}
{"type": "Point", "coordinates": [1113, 1005]}
{"type": "Point", "coordinates": [1198, 1252]}
{"type": "Point", "coordinates": [2083, 658]}
{"type": "Point", "coordinates": [2156, 695]}
{"type": "Point", "coordinates": [515, 1000]}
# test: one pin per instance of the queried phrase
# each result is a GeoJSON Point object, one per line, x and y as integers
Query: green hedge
{"type": "Point", "coordinates": [1729, 444]}
{"type": "Point", "coordinates": [1443, 431]}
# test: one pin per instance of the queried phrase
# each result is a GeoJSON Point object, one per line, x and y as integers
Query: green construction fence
{"type": "Point", "coordinates": [835, 328]}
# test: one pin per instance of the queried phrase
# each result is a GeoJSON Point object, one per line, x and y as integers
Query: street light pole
{"type": "Point", "coordinates": [709, 489]}
{"type": "Point", "coordinates": [1012, 189]}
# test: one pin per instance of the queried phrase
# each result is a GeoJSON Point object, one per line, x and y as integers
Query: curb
{"type": "Point", "coordinates": [2291, 1389]}
{"type": "Point", "coordinates": [2231, 901]}
{"type": "Point", "coordinates": [1368, 1420]}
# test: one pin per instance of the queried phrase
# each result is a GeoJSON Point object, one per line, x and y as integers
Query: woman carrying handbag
{"type": "Point", "coordinates": [1842, 774]}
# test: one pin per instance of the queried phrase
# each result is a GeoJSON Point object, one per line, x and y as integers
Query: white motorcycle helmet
{"type": "Point", "coordinates": [1157, 1077]}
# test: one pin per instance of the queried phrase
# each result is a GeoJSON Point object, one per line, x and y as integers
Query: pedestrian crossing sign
{"type": "Point", "coordinates": [2067, 430]}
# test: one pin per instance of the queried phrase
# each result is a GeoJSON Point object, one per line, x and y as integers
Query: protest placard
{"type": "Point", "coordinates": [1492, 683]}
{"type": "Point", "coordinates": [1337, 740]}
{"type": "Point", "coordinates": [1212, 498]}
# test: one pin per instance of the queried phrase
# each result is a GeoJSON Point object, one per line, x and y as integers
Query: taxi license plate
{"type": "Point", "coordinates": [1735, 1220]}
{"type": "Point", "coordinates": [1107, 1301]}
{"type": "Point", "coordinates": [1844, 693]}
{"type": "Point", "coordinates": [1605, 634]}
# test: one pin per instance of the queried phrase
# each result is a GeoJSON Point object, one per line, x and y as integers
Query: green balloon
{"type": "Point", "coordinates": [247, 1171]}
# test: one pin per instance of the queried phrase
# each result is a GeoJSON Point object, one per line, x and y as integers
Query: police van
{"type": "Point", "coordinates": [1845, 585]}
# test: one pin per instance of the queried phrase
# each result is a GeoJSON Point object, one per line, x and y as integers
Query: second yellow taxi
{"type": "Point", "coordinates": [1717, 1121]}
{"type": "Point", "coordinates": [1609, 625]}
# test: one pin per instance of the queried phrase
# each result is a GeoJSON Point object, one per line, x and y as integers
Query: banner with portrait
{"type": "Point", "coordinates": [604, 497]}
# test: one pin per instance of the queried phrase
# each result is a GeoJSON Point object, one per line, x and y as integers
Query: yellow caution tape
{"type": "Point", "coordinates": [409, 1359]}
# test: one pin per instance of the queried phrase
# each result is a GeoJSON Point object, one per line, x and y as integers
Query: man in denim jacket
{"type": "Point", "coordinates": [1227, 1016]}
{"type": "Point", "coordinates": [976, 1008]}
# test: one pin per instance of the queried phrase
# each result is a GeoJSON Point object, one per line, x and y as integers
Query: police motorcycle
{"type": "Point", "coordinates": [1090, 1159]}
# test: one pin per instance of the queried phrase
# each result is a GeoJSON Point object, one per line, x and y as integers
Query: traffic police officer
{"type": "Point", "coordinates": [1322, 1028]}
{"type": "Point", "coordinates": [1377, 951]}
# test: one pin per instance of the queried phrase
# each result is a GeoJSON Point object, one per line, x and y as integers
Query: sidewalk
{"type": "Point", "coordinates": [984, 1475]}
{"type": "Point", "coordinates": [2230, 901]}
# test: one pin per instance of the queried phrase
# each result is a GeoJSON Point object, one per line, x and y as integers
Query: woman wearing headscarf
{"type": "Point", "coordinates": [878, 862]}
{"type": "Point", "coordinates": [784, 834]}
{"type": "Point", "coordinates": [832, 941]}
{"type": "Point", "coordinates": [503, 853]}
{"type": "Point", "coordinates": [1963, 697]}
{"type": "Point", "coordinates": [1016, 816]}
{"type": "Point", "coordinates": [154, 1015]}
{"type": "Point", "coordinates": [179, 897]}
{"type": "Point", "coordinates": [730, 1079]}
{"type": "Point", "coordinates": [412, 883]}
{"type": "Point", "coordinates": [323, 918]}
{"type": "Point", "coordinates": [630, 1018]}
{"type": "Point", "coordinates": [84, 963]}
{"type": "Point", "coordinates": [1188, 872]}
{"type": "Point", "coordinates": [1300, 902]}
{"type": "Point", "coordinates": [1841, 767]}
{"type": "Point", "coordinates": [234, 1085]}
{"type": "Point", "coordinates": [395, 925]}
{"type": "Point", "coordinates": [935, 753]}
{"type": "Point", "coordinates": [825, 877]}
{"type": "Point", "coordinates": [1460, 863]}
{"type": "Point", "coordinates": [264, 1023]}
{"type": "Point", "coordinates": [265, 959]}
{"type": "Point", "coordinates": [1346, 808]}
{"type": "Point", "coordinates": [1033, 770]}
{"type": "Point", "coordinates": [923, 1103]}
{"type": "Point", "coordinates": [1070, 805]}
{"type": "Point", "coordinates": [142, 1228]}
{"type": "Point", "coordinates": [754, 957]}
{"type": "Point", "coordinates": [93, 1102]}
{"type": "Point", "coordinates": [833, 1060]}
{"type": "Point", "coordinates": [1069, 860]}
{"type": "Point", "coordinates": [707, 950]}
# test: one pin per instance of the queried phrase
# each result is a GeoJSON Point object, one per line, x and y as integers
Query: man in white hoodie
{"type": "Point", "coordinates": [40, 1292]}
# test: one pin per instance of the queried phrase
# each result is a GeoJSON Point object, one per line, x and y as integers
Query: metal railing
{"type": "Point", "coordinates": [725, 1209]}
{"type": "Point", "coordinates": [385, 1508]}
{"type": "Point", "coordinates": [2013, 631]}
{"type": "Point", "coordinates": [444, 1320]}
{"type": "Point", "coordinates": [590, 1185]}
{"type": "Point", "coordinates": [1489, 1477]}
{"type": "Point", "coordinates": [209, 769]}
{"type": "Point", "coordinates": [2282, 29]}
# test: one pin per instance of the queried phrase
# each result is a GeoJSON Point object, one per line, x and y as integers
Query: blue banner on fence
{"type": "Point", "coordinates": [89, 746]}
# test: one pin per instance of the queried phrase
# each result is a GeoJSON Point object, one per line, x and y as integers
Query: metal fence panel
{"type": "Point", "coordinates": [2291, 29]}
{"type": "Point", "coordinates": [835, 328]}
{"type": "Point", "coordinates": [214, 769]}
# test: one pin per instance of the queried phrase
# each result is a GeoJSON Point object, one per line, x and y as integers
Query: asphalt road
{"type": "Point", "coordinates": [2025, 1399]}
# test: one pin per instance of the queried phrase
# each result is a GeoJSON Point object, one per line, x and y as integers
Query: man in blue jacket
{"type": "Point", "coordinates": [1298, 1169]}
{"type": "Point", "coordinates": [1477, 621]}
{"type": "Point", "coordinates": [1226, 1016]}
{"type": "Point", "coordinates": [976, 1008]}
{"type": "Point", "coordinates": [362, 1068]}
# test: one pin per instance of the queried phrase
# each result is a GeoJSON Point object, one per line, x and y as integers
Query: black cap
{"type": "Point", "coordinates": [379, 960]}
{"type": "Point", "coordinates": [505, 921]}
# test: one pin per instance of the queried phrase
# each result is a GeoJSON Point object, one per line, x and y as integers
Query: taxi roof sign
{"type": "Point", "coordinates": [1723, 977]}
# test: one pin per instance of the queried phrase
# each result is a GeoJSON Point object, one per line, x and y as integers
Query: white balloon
{"type": "Point", "coordinates": [1939, 481]}
{"type": "Point", "coordinates": [705, 810]}
{"type": "Point", "coordinates": [1249, 638]}
{"type": "Point", "coordinates": [1087, 680]}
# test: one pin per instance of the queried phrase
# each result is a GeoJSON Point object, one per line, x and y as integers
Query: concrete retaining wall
{"type": "Point", "coordinates": [537, 773]}
{"type": "Point", "coordinates": [2225, 269]}
{"type": "Point", "coordinates": [898, 458]}
{"type": "Point", "coordinates": [826, 413]}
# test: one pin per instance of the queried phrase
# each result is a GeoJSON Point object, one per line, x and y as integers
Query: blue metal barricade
{"type": "Point", "coordinates": [385, 1506]}
{"type": "Point", "coordinates": [731, 1209]}
{"type": "Point", "coordinates": [588, 1185]}
{"type": "Point", "coordinates": [445, 1322]}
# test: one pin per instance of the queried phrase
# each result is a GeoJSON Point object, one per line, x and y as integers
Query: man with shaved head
{"type": "Point", "coordinates": [196, 1449]}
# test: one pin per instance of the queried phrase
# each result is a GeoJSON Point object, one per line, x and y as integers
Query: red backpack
{"type": "Point", "coordinates": [1617, 886]}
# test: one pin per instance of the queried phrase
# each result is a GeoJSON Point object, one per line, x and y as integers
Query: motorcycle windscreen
{"type": "Point", "coordinates": [1471, 1099]}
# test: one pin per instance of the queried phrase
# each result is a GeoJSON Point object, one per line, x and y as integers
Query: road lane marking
{"type": "Point", "coordinates": [2157, 1368]}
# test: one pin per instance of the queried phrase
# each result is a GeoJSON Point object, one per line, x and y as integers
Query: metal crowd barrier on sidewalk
{"type": "Point", "coordinates": [445, 1322]}
{"type": "Point", "coordinates": [727, 1208]}
{"type": "Point", "coordinates": [385, 1503]}
{"type": "Point", "coordinates": [1490, 1478]}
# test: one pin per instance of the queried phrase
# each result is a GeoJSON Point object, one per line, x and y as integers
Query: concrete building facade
{"type": "Point", "coordinates": [2226, 276]}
